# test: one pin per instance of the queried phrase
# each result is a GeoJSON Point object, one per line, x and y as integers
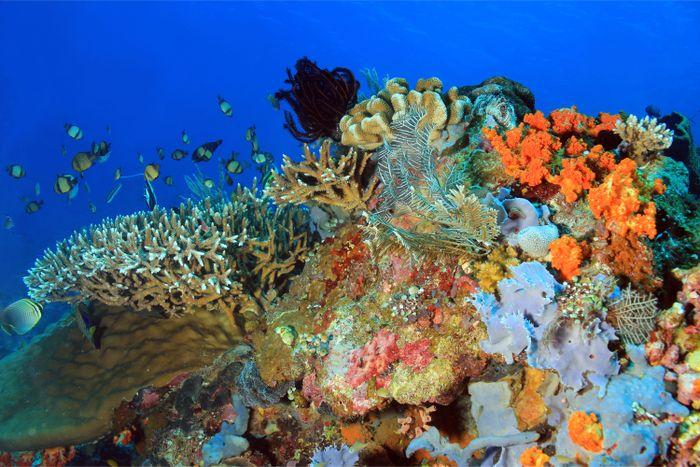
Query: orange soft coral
{"type": "Point", "coordinates": [574, 178]}
{"type": "Point", "coordinates": [628, 256]}
{"type": "Point", "coordinates": [586, 431]}
{"type": "Point", "coordinates": [525, 152]}
{"type": "Point", "coordinates": [533, 457]}
{"type": "Point", "coordinates": [567, 255]}
{"type": "Point", "coordinates": [537, 121]}
{"type": "Point", "coordinates": [617, 201]}
{"type": "Point", "coordinates": [607, 123]}
{"type": "Point", "coordinates": [568, 121]}
{"type": "Point", "coordinates": [575, 146]}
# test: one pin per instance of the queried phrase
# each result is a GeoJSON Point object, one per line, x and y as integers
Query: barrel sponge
{"type": "Point", "coordinates": [63, 392]}
{"type": "Point", "coordinates": [200, 255]}
{"type": "Point", "coordinates": [366, 125]}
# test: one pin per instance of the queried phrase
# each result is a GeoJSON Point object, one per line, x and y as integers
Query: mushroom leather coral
{"type": "Point", "coordinates": [62, 392]}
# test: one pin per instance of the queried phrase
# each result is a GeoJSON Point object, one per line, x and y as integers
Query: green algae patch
{"type": "Point", "coordinates": [59, 391]}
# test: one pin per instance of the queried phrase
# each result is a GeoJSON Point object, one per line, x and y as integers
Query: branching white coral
{"type": "Point", "coordinates": [643, 139]}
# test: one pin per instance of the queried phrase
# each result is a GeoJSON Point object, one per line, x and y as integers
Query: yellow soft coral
{"type": "Point", "coordinates": [496, 267]}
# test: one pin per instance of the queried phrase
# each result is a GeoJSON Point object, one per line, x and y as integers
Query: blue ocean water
{"type": "Point", "coordinates": [151, 70]}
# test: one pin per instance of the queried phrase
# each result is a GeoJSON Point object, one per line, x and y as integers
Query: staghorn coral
{"type": "Point", "coordinates": [343, 183]}
{"type": "Point", "coordinates": [368, 124]}
{"type": "Point", "coordinates": [202, 255]}
{"type": "Point", "coordinates": [319, 98]}
{"type": "Point", "coordinates": [643, 139]}
{"type": "Point", "coordinates": [633, 314]}
{"type": "Point", "coordinates": [420, 209]}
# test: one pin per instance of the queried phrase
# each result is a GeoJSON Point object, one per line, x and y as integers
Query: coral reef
{"type": "Point", "coordinates": [319, 98]}
{"type": "Point", "coordinates": [345, 183]}
{"type": "Point", "coordinates": [202, 255]}
{"type": "Point", "coordinates": [485, 291]}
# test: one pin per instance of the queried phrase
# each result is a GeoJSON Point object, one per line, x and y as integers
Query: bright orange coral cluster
{"type": "Point", "coordinates": [569, 120]}
{"type": "Point", "coordinates": [617, 201]}
{"type": "Point", "coordinates": [525, 152]}
{"type": "Point", "coordinates": [533, 457]}
{"type": "Point", "coordinates": [586, 431]}
{"type": "Point", "coordinates": [567, 256]}
{"type": "Point", "coordinates": [529, 151]}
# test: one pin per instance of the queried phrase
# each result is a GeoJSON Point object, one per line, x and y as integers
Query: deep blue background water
{"type": "Point", "coordinates": [150, 70]}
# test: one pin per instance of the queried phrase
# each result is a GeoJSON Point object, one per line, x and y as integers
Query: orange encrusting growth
{"type": "Point", "coordinates": [585, 431]}
{"type": "Point", "coordinates": [617, 201]}
{"type": "Point", "coordinates": [533, 457]}
{"type": "Point", "coordinates": [569, 120]}
{"type": "Point", "coordinates": [567, 256]}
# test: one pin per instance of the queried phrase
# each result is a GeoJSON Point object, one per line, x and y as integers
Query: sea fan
{"type": "Point", "coordinates": [634, 315]}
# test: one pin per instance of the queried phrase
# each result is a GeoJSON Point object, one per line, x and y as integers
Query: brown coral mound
{"type": "Point", "coordinates": [345, 182]}
{"type": "Point", "coordinates": [62, 392]}
{"type": "Point", "coordinates": [200, 255]}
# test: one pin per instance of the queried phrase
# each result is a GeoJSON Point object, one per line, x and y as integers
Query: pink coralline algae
{"type": "Point", "coordinates": [372, 360]}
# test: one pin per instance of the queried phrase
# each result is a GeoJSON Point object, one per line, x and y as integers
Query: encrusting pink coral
{"type": "Point", "coordinates": [372, 360]}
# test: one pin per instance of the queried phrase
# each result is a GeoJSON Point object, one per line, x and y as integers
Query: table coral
{"type": "Point", "coordinates": [202, 255]}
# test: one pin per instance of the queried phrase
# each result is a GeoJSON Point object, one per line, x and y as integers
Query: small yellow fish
{"type": "Point", "coordinates": [16, 171]}
{"type": "Point", "coordinates": [64, 184]}
{"type": "Point", "coordinates": [178, 154]}
{"type": "Point", "coordinates": [8, 223]}
{"type": "Point", "coordinates": [274, 102]}
{"type": "Point", "coordinates": [151, 172]}
{"type": "Point", "coordinates": [169, 180]}
{"type": "Point", "coordinates": [20, 317]}
{"type": "Point", "coordinates": [92, 208]}
{"type": "Point", "coordinates": [73, 131]}
{"type": "Point", "coordinates": [233, 166]}
{"type": "Point", "coordinates": [33, 206]}
{"type": "Point", "coordinates": [250, 134]}
{"type": "Point", "coordinates": [118, 174]}
{"type": "Point", "coordinates": [209, 183]}
{"type": "Point", "coordinates": [82, 162]}
{"type": "Point", "coordinates": [225, 107]}
{"type": "Point", "coordinates": [185, 137]}
{"type": "Point", "coordinates": [204, 152]}
{"type": "Point", "coordinates": [161, 153]}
